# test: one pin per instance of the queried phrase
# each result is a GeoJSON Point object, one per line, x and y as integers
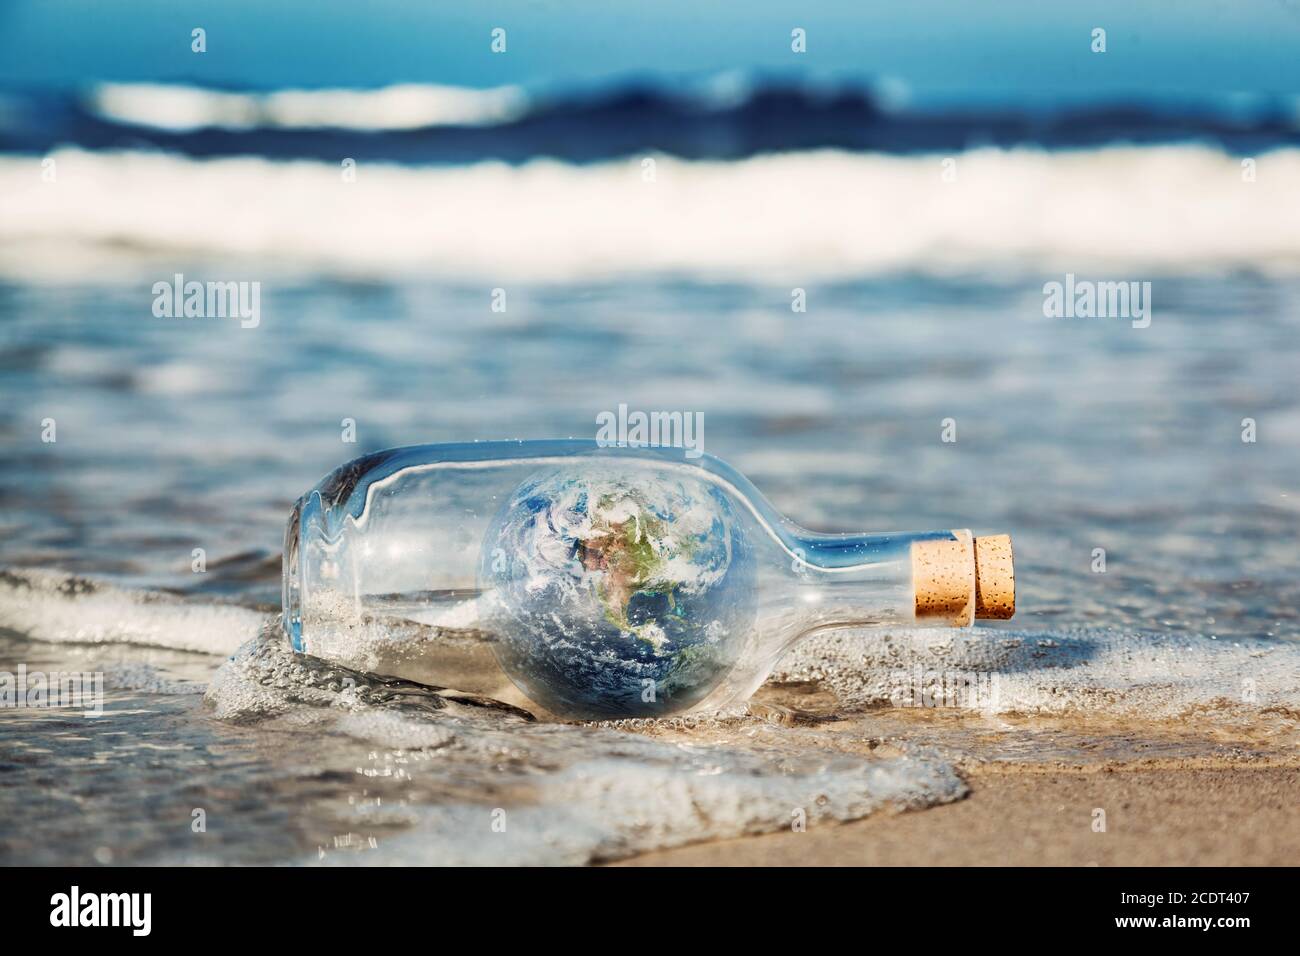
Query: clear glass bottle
{"type": "Point", "coordinates": [606, 581]}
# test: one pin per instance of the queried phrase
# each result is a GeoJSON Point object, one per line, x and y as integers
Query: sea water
{"type": "Point", "coordinates": [871, 349]}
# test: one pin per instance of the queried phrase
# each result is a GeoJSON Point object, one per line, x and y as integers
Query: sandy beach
{"type": "Point", "coordinates": [1199, 797]}
{"type": "Point", "coordinates": [1162, 813]}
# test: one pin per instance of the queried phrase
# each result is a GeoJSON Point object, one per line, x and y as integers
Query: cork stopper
{"type": "Point", "coordinates": [995, 578]}
{"type": "Point", "coordinates": [943, 578]}
{"type": "Point", "coordinates": [962, 578]}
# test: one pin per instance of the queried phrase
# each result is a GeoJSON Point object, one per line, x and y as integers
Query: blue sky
{"type": "Point", "coordinates": [942, 49]}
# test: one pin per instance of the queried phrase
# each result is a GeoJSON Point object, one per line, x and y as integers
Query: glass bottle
{"type": "Point", "coordinates": [605, 581]}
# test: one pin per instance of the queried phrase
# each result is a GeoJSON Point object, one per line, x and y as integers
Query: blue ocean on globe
{"type": "Point", "coordinates": [617, 594]}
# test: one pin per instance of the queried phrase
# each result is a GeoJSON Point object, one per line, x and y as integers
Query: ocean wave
{"type": "Point", "coordinates": [728, 116]}
{"type": "Point", "coordinates": [64, 609]}
{"type": "Point", "coordinates": [1136, 211]}
{"type": "Point", "coordinates": [408, 106]}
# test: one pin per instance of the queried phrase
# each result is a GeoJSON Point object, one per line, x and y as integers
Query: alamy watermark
{"type": "Point", "coordinates": [635, 429]}
{"type": "Point", "coordinates": [130, 910]}
{"type": "Point", "coordinates": [967, 690]}
{"type": "Point", "coordinates": [37, 689]}
{"type": "Point", "coordinates": [180, 299]}
{"type": "Point", "coordinates": [1086, 299]}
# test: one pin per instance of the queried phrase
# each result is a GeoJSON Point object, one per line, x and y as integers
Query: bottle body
{"type": "Point", "coordinates": [605, 581]}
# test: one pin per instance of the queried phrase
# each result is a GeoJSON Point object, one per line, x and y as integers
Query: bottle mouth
{"type": "Point", "coordinates": [962, 578]}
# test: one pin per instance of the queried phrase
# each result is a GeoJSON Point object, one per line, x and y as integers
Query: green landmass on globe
{"type": "Point", "coordinates": [617, 592]}
{"type": "Point", "coordinates": [633, 555]}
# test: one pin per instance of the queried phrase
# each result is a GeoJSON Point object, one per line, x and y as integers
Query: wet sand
{"type": "Point", "coordinates": [1177, 814]}
{"type": "Point", "coordinates": [1188, 793]}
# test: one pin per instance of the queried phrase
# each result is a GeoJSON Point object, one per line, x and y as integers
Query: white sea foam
{"type": "Point", "coordinates": [603, 794]}
{"type": "Point", "coordinates": [1087, 672]}
{"type": "Point", "coordinates": [609, 808]}
{"type": "Point", "coordinates": [59, 608]}
{"type": "Point", "coordinates": [403, 106]}
{"type": "Point", "coordinates": [1127, 211]}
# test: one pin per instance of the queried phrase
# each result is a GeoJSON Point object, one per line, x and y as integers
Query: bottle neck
{"type": "Point", "coordinates": [863, 580]}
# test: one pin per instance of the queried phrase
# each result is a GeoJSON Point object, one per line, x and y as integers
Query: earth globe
{"type": "Point", "coordinates": [616, 593]}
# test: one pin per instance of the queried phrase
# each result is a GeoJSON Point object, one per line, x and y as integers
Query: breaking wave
{"type": "Point", "coordinates": [409, 106]}
{"type": "Point", "coordinates": [789, 217]}
{"type": "Point", "coordinates": [731, 115]}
